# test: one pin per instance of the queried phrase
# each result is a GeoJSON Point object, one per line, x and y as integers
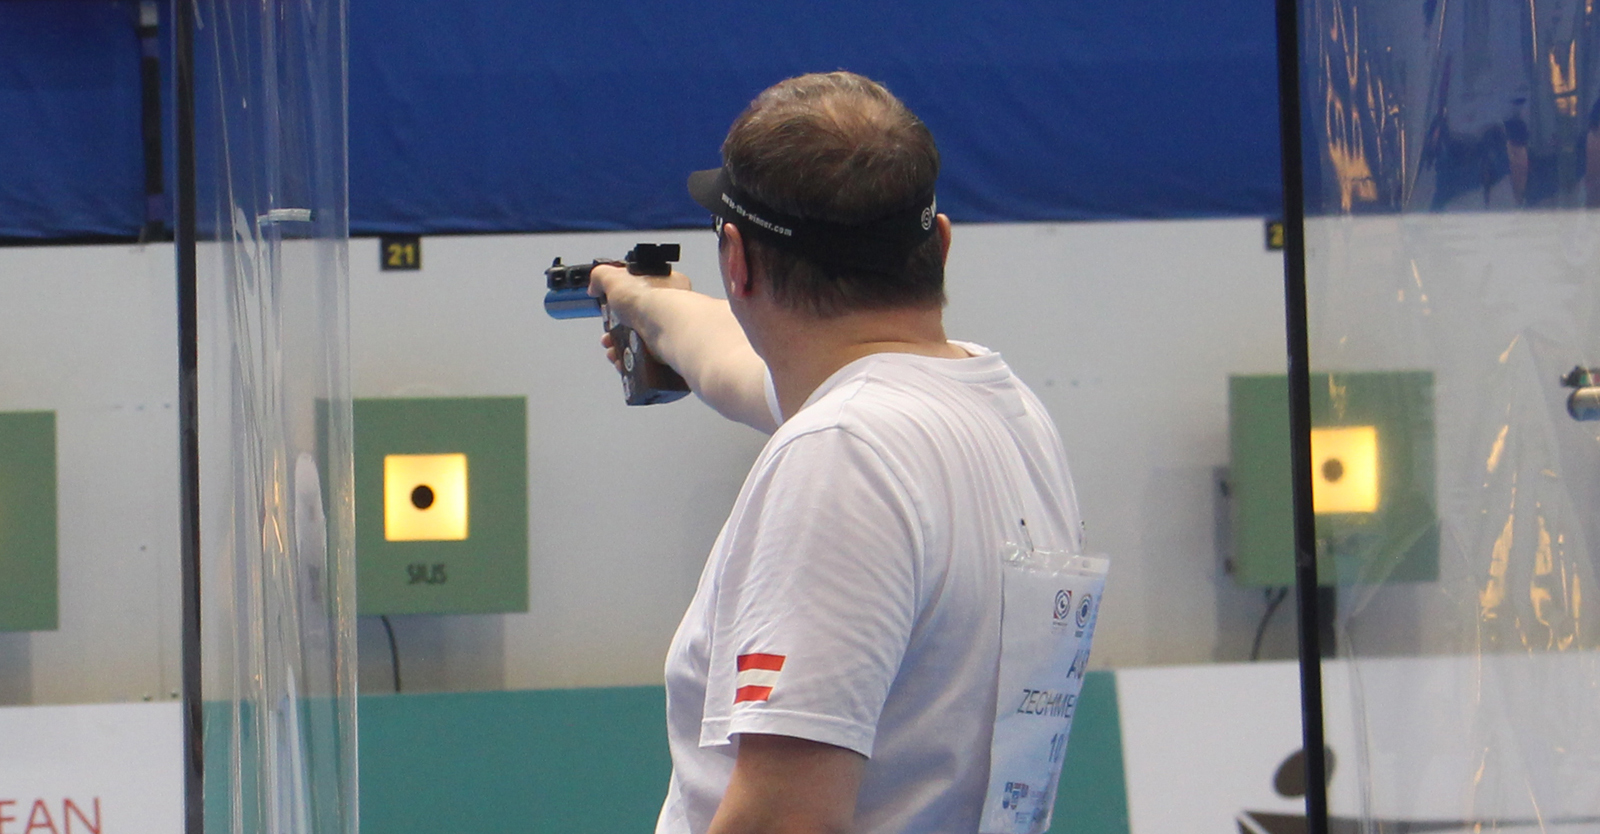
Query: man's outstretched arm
{"type": "Point", "coordinates": [694, 333]}
{"type": "Point", "coordinates": [784, 785]}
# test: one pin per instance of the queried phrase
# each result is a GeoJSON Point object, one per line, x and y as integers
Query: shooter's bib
{"type": "Point", "coordinates": [1049, 604]}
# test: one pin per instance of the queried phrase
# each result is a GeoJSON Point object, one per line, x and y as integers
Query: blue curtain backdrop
{"type": "Point", "coordinates": [502, 117]}
{"type": "Point", "coordinates": [71, 156]}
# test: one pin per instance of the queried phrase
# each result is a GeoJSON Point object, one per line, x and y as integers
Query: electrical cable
{"type": "Point", "coordinates": [1273, 601]}
{"type": "Point", "coordinates": [394, 650]}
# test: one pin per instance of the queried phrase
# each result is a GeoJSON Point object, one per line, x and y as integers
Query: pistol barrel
{"type": "Point", "coordinates": [568, 296]}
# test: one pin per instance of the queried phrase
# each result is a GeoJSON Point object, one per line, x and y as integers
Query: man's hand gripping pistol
{"type": "Point", "coordinates": [646, 380]}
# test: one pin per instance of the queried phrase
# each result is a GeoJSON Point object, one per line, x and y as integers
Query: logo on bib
{"type": "Point", "coordinates": [1063, 604]}
{"type": "Point", "coordinates": [1085, 608]}
{"type": "Point", "coordinates": [758, 673]}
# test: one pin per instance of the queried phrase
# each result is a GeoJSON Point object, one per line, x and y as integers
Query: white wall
{"type": "Point", "coordinates": [1126, 330]}
{"type": "Point", "coordinates": [88, 332]}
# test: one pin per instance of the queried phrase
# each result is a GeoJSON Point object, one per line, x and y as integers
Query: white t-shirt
{"type": "Point", "coordinates": [853, 596]}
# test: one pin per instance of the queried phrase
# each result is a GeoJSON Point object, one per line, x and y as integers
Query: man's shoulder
{"type": "Point", "coordinates": [868, 397]}
{"type": "Point", "coordinates": [893, 387]}
{"type": "Point", "coordinates": [906, 403]}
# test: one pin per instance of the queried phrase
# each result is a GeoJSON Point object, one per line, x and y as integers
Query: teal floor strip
{"type": "Point", "coordinates": [595, 760]}
{"type": "Point", "coordinates": [1093, 797]}
{"type": "Point", "coordinates": [579, 760]}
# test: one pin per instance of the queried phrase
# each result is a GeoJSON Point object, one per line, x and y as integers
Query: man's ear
{"type": "Point", "coordinates": [737, 280]}
{"type": "Point", "coordinates": [943, 223]}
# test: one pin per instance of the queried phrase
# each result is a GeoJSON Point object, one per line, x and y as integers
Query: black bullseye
{"type": "Point", "coordinates": [422, 497]}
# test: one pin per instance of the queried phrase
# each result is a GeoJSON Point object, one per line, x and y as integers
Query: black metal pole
{"type": "Point", "coordinates": [1299, 345]}
{"type": "Point", "coordinates": [155, 186]}
{"type": "Point", "coordinates": [189, 418]}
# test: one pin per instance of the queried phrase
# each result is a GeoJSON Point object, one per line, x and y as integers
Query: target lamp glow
{"type": "Point", "coordinates": [424, 498]}
{"type": "Point", "coordinates": [1344, 466]}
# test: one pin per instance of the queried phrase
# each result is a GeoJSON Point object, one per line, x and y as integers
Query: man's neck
{"type": "Point", "coordinates": [803, 351]}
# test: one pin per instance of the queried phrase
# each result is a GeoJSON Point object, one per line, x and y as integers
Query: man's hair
{"type": "Point", "coordinates": [837, 147]}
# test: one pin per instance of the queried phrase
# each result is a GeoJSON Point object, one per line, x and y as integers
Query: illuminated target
{"type": "Point", "coordinates": [1344, 469]}
{"type": "Point", "coordinates": [425, 497]}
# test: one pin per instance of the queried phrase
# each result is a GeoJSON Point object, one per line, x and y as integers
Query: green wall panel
{"type": "Point", "coordinates": [28, 587]}
{"type": "Point", "coordinates": [485, 573]}
{"type": "Point", "coordinates": [595, 760]}
{"type": "Point", "coordinates": [571, 761]}
{"type": "Point", "coordinates": [319, 744]}
{"type": "Point", "coordinates": [1093, 797]}
{"type": "Point", "coordinates": [1399, 542]}
{"type": "Point", "coordinates": [587, 761]}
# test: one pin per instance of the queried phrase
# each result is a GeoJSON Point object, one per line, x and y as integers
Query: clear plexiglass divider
{"type": "Point", "coordinates": [1453, 283]}
{"type": "Point", "coordinates": [277, 559]}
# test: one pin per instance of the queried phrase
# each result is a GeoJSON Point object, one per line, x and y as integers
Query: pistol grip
{"type": "Point", "coordinates": [646, 380]}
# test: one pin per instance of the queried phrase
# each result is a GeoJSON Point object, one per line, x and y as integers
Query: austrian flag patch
{"type": "Point", "coordinates": [758, 673]}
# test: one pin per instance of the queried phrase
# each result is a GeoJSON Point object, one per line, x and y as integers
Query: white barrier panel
{"type": "Point", "coordinates": [1210, 749]}
{"type": "Point", "coordinates": [91, 769]}
{"type": "Point", "coordinates": [1202, 745]}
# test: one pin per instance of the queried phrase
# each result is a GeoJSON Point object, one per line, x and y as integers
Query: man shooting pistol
{"type": "Point", "coordinates": [839, 667]}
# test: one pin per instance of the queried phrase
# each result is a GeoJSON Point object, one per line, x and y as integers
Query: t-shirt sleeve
{"type": "Point", "coordinates": [816, 602]}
